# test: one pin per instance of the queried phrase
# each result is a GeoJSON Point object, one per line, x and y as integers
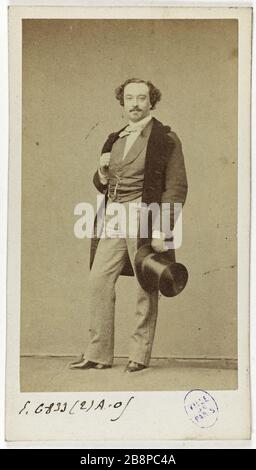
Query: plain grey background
{"type": "Point", "coordinates": [70, 71]}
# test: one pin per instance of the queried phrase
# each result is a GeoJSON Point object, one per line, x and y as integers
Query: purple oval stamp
{"type": "Point", "coordinates": [201, 408]}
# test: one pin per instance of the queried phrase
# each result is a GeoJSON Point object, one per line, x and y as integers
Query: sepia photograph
{"type": "Point", "coordinates": [126, 155]}
{"type": "Point", "coordinates": [137, 111]}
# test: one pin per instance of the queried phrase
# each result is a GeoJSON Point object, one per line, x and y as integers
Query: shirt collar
{"type": "Point", "coordinates": [140, 124]}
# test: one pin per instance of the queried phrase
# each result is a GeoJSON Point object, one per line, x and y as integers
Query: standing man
{"type": "Point", "coordinates": [144, 163]}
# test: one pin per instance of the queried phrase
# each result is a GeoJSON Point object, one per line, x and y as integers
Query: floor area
{"type": "Point", "coordinates": [51, 374]}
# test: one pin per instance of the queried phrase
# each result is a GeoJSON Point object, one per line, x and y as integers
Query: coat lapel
{"type": "Point", "coordinates": [118, 150]}
{"type": "Point", "coordinates": [135, 150]}
{"type": "Point", "coordinates": [155, 162]}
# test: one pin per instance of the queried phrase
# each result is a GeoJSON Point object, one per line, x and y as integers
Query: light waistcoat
{"type": "Point", "coordinates": [126, 175]}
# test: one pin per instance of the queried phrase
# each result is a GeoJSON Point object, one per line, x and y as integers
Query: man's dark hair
{"type": "Point", "coordinates": [154, 93]}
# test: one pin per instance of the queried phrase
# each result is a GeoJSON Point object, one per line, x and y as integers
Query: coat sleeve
{"type": "Point", "coordinates": [176, 185]}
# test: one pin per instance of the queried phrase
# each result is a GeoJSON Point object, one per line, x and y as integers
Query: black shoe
{"type": "Point", "coordinates": [134, 367]}
{"type": "Point", "coordinates": [82, 363]}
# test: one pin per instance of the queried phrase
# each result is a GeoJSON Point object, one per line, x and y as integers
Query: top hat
{"type": "Point", "coordinates": [157, 271]}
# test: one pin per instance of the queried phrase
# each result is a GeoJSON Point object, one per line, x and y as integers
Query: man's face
{"type": "Point", "coordinates": [136, 101]}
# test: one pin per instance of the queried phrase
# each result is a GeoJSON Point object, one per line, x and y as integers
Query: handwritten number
{"type": "Point", "coordinates": [49, 408]}
{"type": "Point", "coordinates": [61, 407]}
{"type": "Point", "coordinates": [64, 407]}
{"type": "Point", "coordinates": [39, 409]}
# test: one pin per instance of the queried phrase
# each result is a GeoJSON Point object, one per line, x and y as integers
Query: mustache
{"type": "Point", "coordinates": [135, 108]}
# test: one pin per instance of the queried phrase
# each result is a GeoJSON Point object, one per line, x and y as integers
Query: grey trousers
{"type": "Point", "coordinates": [107, 266]}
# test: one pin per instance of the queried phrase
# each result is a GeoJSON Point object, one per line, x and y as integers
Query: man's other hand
{"type": "Point", "coordinates": [158, 242]}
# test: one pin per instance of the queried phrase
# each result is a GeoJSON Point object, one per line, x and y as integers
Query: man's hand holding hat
{"type": "Point", "coordinates": [158, 242]}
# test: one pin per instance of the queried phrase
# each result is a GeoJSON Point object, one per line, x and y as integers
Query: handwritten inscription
{"type": "Point", "coordinates": [86, 406]}
{"type": "Point", "coordinates": [201, 408]}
